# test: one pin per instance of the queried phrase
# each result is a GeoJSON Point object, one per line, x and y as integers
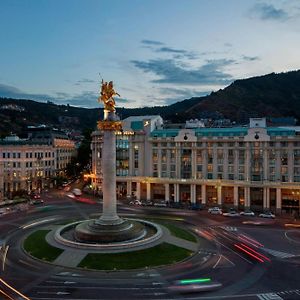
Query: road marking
{"type": "Point", "coordinates": [224, 257]}
{"type": "Point", "coordinates": [229, 228]}
{"type": "Point", "coordinates": [278, 253]}
{"type": "Point", "coordinates": [217, 261]}
{"type": "Point", "coordinates": [248, 261]}
{"type": "Point", "coordinates": [269, 296]}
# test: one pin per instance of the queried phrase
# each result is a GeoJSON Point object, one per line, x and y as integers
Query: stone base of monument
{"type": "Point", "coordinates": [127, 234]}
{"type": "Point", "coordinates": [95, 231]}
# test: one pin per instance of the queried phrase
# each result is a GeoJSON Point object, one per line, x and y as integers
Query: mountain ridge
{"type": "Point", "coordinates": [271, 95]}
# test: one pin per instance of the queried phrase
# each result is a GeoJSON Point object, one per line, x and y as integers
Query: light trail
{"type": "Point", "coordinates": [257, 253]}
{"type": "Point", "coordinates": [37, 223]}
{"type": "Point", "coordinates": [249, 253]}
{"type": "Point", "coordinates": [14, 290]}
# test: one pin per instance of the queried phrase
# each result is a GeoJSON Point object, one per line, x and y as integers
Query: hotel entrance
{"type": "Point", "coordinates": [290, 201]}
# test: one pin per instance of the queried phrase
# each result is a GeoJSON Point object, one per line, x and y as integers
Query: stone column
{"type": "Point", "coordinates": [203, 194]}
{"type": "Point", "coordinates": [219, 195]}
{"type": "Point", "coordinates": [278, 200]}
{"type": "Point", "coordinates": [148, 191]}
{"type": "Point", "coordinates": [129, 188]}
{"type": "Point", "coordinates": [236, 196]}
{"type": "Point", "coordinates": [138, 191]}
{"type": "Point", "coordinates": [266, 202]}
{"type": "Point", "coordinates": [109, 214]}
{"type": "Point", "coordinates": [247, 197]}
{"type": "Point", "coordinates": [167, 192]}
{"type": "Point", "coordinates": [193, 193]}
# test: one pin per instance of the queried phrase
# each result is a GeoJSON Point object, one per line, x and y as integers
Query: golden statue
{"type": "Point", "coordinates": [106, 96]}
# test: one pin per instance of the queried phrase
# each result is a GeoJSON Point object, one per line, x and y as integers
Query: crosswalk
{"type": "Point", "coordinates": [278, 254]}
{"type": "Point", "coordinates": [229, 228]}
{"type": "Point", "coordinates": [289, 294]}
{"type": "Point", "coordinates": [269, 296]}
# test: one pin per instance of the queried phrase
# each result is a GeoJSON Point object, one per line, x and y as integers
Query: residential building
{"type": "Point", "coordinates": [31, 164]}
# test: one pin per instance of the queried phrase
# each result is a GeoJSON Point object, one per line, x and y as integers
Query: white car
{"type": "Point", "coordinates": [267, 214]}
{"type": "Point", "coordinates": [247, 213]}
{"type": "Point", "coordinates": [215, 211]}
{"type": "Point", "coordinates": [135, 202]}
{"type": "Point", "coordinates": [232, 213]}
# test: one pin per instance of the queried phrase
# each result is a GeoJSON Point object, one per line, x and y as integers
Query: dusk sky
{"type": "Point", "coordinates": [157, 52]}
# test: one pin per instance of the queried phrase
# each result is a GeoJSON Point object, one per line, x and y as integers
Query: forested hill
{"type": "Point", "coordinates": [276, 95]}
{"type": "Point", "coordinates": [272, 95]}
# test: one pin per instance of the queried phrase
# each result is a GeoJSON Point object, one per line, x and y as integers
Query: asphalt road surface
{"type": "Point", "coordinates": [250, 261]}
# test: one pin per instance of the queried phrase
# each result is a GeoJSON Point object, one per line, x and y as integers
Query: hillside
{"type": "Point", "coordinates": [272, 95]}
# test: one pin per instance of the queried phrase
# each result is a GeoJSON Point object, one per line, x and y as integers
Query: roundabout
{"type": "Point", "coordinates": [160, 248]}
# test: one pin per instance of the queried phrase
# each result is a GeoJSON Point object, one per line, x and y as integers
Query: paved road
{"type": "Point", "coordinates": [242, 276]}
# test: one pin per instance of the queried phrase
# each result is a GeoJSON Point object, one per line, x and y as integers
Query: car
{"type": "Point", "coordinates": [247, 213]}
{"type": "Point", "coordinates": [231, 213]}
{"type": "Point", "coordinates": [147, 203]}
{"type": "Point", "coordinates": [135, 202]}
{"type": "Point", "coordinates": [37, 201]}
{"type": "Point", "coordinates": [160, 204]}
{"type": "Point", "coordinates": [267, 214]}
{"type": "Point", "coordinates": [215, 210]}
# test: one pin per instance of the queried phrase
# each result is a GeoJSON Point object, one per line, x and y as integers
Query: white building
{"type": "Point", "coordinates": [254, 166]}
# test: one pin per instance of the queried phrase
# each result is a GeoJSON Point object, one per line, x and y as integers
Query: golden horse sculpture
{"type": "Point", "coordinates": [106, 96]}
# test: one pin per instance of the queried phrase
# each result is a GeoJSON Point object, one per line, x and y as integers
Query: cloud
{"type": "Point", "coordinates": [84, 99]}
{"type": "Point", "coordinates": [174, 94]}
{"type": "Point", "coordinates": [151, 43]}
{"type": "Point", "coordinates": [250, 58]}
{"type": "Point", "coordinates": [13, 92]}
{"type": "Point", "coordinates": [266, 11]}
{"type": "Point", "coordinates": [178, 53]}
{"type": "Point", "coordinates": [84, 80]}
{"type": "Point", "coordinates": [169, 72]}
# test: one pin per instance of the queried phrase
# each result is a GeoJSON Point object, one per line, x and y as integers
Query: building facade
{"type": "Point", "coordinates": [31, 164]}
{"type": "Point", "coordinates": [255, 167]}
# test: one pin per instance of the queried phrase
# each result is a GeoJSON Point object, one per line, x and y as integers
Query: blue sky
{"type": "Point", "coordinates": [156, 52]}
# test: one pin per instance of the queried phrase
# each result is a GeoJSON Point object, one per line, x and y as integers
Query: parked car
{"type": "Point", "coordinates": [160, 204]}
{"type": "Point", "coordinates": [231, 213]}
{"type": "Point", "coordinates": [147, 203]}
{"type": "Point", "coordinates": [267, 214]}
{"type": "Point", "coordinates": [135, 202]}
{"type": "Point", "coordinates": [215, 211]}
{"type": "Point", "coordinates": [247, 213]}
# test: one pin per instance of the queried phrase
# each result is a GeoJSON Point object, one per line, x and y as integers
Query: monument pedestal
{"type": "Point", "coordinates": [93, 232]}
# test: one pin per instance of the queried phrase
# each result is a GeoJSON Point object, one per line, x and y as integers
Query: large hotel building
{"type": "Point", "coordinates": [255, 167]}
